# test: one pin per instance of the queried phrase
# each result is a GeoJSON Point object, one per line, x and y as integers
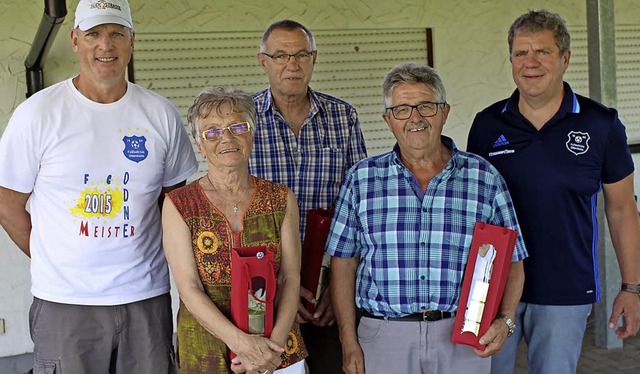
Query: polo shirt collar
{"type": "Point", "coordinates": [569, 102]}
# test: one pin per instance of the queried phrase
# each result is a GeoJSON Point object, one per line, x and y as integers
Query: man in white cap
{"type": "Point", "coordinates": [95, 155]}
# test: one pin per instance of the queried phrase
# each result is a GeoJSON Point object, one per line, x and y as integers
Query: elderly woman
{"type": "Point", "coordinates": [203, 221]}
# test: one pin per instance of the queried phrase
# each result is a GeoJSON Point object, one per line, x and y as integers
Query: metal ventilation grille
{"type": "Point", "coordinates": [628, 79]}
{"type": "Point", "coordinates": [351, 65]}
{"type": "Point", "coordinates": [627, 74]}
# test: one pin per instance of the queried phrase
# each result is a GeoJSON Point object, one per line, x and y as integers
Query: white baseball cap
{"type": "Point", "coordinates": [91, 13]}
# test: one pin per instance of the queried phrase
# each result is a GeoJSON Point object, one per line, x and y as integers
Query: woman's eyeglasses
{"type": "Point", "coordinates": [235, 130]}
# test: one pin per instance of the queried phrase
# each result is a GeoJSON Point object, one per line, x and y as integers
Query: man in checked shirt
{"type": "Point", "coordinates": [306, 140]}
{"type": "Point", "coordinates": [400, 239]}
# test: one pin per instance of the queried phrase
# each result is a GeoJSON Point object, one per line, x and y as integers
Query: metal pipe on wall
{"type": "Point", "coordinates": [54, 13]}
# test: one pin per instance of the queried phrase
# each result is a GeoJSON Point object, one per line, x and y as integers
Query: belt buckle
{"type": "Point", "coordinates": [428, 315]}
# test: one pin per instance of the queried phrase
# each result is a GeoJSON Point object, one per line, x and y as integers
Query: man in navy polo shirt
{"type": "Point", "coordinates": [556, 151]}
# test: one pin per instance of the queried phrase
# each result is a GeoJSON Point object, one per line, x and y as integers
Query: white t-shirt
{"type": "Point", "coordinates": [95, 172]}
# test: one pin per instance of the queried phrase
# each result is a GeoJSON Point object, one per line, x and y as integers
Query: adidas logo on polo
{"type": "Point", "coordinates": [501, 141]}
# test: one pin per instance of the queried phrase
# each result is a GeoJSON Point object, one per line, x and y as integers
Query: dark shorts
{"type": "Point", "coordinates": [128, 338]}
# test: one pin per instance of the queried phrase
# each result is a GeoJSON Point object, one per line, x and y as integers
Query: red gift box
{"type": "Point", "coordinates": [252, 269]}
{"type": "Point", "coordinates": [495, 244]}
{"type": "Point", "coordinates": [313, 274]}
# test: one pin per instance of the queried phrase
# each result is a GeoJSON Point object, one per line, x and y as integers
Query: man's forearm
{"type": "Point", "coordinates": [625, 236]}
{"type": "Point", "coordinates": [15, 219]}
{"type": "Point", "coordinates": [624, 226]}
{"type": "Point", "coordinates": [513, 289]}
{"type": "Point", "coordinates": [343, 281]}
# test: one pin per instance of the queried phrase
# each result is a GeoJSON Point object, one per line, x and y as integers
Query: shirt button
{"type": "Point", "coordinates": [422, 277]}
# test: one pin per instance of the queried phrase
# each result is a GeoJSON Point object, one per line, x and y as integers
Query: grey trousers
{"type": "Point", "coordinates": [416, 348]}
{"type": "Point", "coordinates": [128, 338]}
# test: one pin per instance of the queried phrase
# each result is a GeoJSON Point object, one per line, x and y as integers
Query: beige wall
{"type": "Point", "coordinates": [470, 53]}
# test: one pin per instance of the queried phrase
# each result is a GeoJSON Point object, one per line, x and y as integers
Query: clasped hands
{"type": "Point", "coordinates": [255, 355]}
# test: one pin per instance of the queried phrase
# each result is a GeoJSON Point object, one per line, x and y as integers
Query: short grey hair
{"type": "Point", "coordinates": [540, 20]}
{"type": "Point", "coordinates": [413, 73]}
{"type": "Point", "coordinates": [213, 98]}
{"type": "Point", "coordinates": [289, 25]}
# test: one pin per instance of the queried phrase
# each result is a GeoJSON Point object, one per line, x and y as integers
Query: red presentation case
{"type": "Point", "coordinates": [252, 269]}
{"type": "Point", "coordinates": [313, 275]}
{"type": "Point", "coordinates": [503, 240]}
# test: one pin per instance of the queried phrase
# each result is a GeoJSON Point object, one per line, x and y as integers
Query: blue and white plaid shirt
{"type": "Point", "coordinates": [413, 246]}
{"type": "Point", "coordinates": [313, 164]}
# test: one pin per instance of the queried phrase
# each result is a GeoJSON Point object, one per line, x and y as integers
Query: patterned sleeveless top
{"type": "Point", "coordinates": [212, 240]}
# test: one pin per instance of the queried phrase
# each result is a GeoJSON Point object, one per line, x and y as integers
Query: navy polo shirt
{"type": "Point", "coordinates": [554, 176]}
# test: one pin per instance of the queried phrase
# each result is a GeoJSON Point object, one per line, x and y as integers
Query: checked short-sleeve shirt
{"type": "Point", "coordinates": [315, 163]}
{"type": "Point", "coordinates": [413, 246]}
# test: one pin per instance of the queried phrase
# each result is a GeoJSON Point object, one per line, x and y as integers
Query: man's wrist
{"type": "Point", "coordinates": [511, 326]}
{"type": "Point", "coordinates": [632, 288]}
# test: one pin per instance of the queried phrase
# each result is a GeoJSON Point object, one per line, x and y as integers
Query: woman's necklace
{"type": "Point", "coordinates": [235, 205]}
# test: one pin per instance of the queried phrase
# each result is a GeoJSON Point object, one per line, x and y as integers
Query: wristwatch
{"type": "Point", "coordinates": [629, 287]}
{"type": "Point", "coordinates": [510, 324]}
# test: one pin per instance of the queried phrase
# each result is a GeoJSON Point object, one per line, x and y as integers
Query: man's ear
{"type": "Point", "coordinates": [262, 60]}
{"type": "Point", "coordinates": [386, 119]}
{"type": "Point", "coordinates": [445, 111]}
{"type": "Point", "coordinates": [566, 56]}
{"type": "Point", "coordinates": [74, 40]}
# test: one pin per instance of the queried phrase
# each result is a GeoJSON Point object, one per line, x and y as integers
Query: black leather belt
{"type": "Point", "coordinates": [427, 315]}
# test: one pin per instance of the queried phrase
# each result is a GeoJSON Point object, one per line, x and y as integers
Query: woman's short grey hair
{"type": "Point", "coordinates": [413, 73]}
{"type": "Point", "coordinates": [214, 98]}
{"type": "Point", "coordinates": [540, 20]}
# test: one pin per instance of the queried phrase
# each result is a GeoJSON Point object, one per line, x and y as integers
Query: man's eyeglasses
{"type": "Point", "coordinates": [235, 130]}
{"type": "Point", "coordinates": [426, 109]}
{"type": "Point", "coordinates": [283, 58]}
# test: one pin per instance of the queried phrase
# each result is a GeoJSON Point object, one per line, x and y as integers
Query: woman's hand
{"type": "Point", "coordinates": [255, 354]}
